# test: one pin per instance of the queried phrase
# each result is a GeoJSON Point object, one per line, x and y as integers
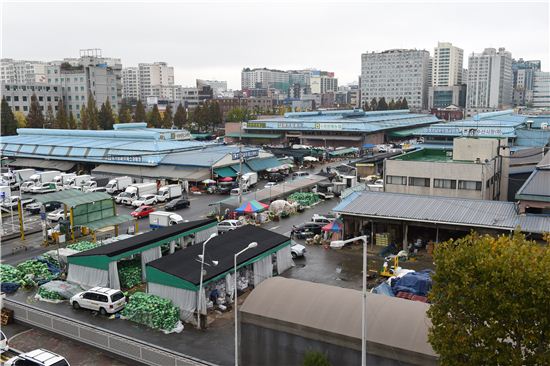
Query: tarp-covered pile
{"type": "Point", "coordinates": [412, 285]}
{"type": "Point", "coordinates": [152, 311]}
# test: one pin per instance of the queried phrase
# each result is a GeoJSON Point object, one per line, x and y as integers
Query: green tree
{"type": "Point", "coordinates": [215, 114]}
{"type": "Point", "coordinates": [61, 120]}
{"type": "Point", "coordinates": [106, 118]}
{"type": "Point", "coordinates": [366, 106]}
{"type": "Point", "coordinates": [167, 119]}
{"type": "Point", "coordinates": [490, 301]}
{"type": "Point", "coordinates": [155, 119]}
{"type": "Point", "coordinates": [49, 119]}
{"type": "Point", "coordinates": [404, 104]}
{"type": "Point", "coordinates": [20, 119]}
{"type": "Point", "coordinates": [140, 115]}
{"type": "Point", "coordinates": [72, 121]}
{"type": "Point", "coordinates": [84, 121]}
{"type": "Point", "coordinates": [382, 105]}
{"type": "Point", "coordinates": [238, 114]}
{"type": "Point", "coordinates": [312, 358]}
{"type": "Point", "coordinates": [35, 117]}
{"type": "Point", "coordinates": [124, 112]}
{"type": "Point", "coordinates": [398, 104]}
{"type": "Point", "coordinates": [92, 113]}
{"type": "Point", "coordinates": [200, 117]}
{"type": "Point", "coordinates": [373, 104]}
{"type": "Point", "coordinates": [180, 117]}
{"type": "Point", "coordinates": [391, 105]}
{"type": "Point", "coordinates": [7, 119]}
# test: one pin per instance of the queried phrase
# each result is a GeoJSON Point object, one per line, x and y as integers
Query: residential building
{"type": "Point", "coordinates": [444, 96]}
{"type": "Point", "coordinates": [154, 74]}
{"type": "Point", "coordinates": [18, 96]}
{"type": "Point", "coordinates": [265, 78]}
{"type": "Point", "coordinates": [489, 85]}
{"type": "Point", "coordinates": [218, 87]}
{"type": "Point", "coordinates": [541, 89]}
{"type": "Point", "coordinates": [523, 73]}
{"type": "Point", "coordinates": [322, 82]}
{"type": "Point", "coordinates": [447, 65]}
{"type": "Point", "coordinates": [430, 71]}
{"type": "Point", "coordinates": [395, 74]}
{"type": "Point", "coordinates": [474, 168]}
{"type": "Point", "coordinates": [191, 97]}
{"type": "Point", "coordinates": [130, 83]}
{"type": "Point", "coordinates": [21, 71]}
{"type": "Point", "coordinates": [534, 195]}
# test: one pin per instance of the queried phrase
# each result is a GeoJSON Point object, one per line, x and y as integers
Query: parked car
{"type": "Point", "coordinates": [228, 225]}
{"type": "Point", "coordinates": [236, 191]}
{"type": "Point", "coordinates": [297, 250]}
{"type": "Point", "coordinates": [276, 177]}
{"type": "Point", "coordinates": [34, 208]}
{"type": "Point", "coordinates": [177, 204]}
{"type": "Point", "coordinates": [142, 211]}
{"type": "Point", "coordinates": [306, 230]}
{"type": "Point", "coordinates": [148, 199]}
{"type": "Point", "coordinates": [102, 299]}
{"type": "Point", "coordinates": [322, 219]}
{"type": "Point", "coordinates": [121, 196]}
{"type": "Point", "coordinates": [300, 174]}
{"type": "Point", "coordinates": [38, 357]}
{"type": "Point", "coordinates": [56, 215]}
{"type": "Point", "coordinates": [270, 184]}
{"type": "Point", "coordinates": [3, 343]}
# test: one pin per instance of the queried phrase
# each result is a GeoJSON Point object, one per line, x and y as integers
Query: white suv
{"type": "Point", "coordinates": [102, 299]}
{"type": "Point", "coordinates": [148, 199]}
{"type": "Point", "coordinates": [38, 357]}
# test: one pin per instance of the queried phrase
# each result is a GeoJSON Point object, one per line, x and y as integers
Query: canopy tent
{"type": "Point", "coordinates": [98, 266]}
{"type": "Point", "coordinates": [177, 276]}
{"type": "Point", "coordinates": [226, 179]}
{"type": "Point", "coordinates": [263, 164]}
{"type": "Point", "coordinates": [334, 227]}
{"type": "Point", "coordinates": [252, 207]}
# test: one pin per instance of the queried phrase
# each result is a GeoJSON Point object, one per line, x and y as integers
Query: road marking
{"type": "Point", "coordinates": [274, 227]}
{"type": "Point", "coordinates": [18, 334]}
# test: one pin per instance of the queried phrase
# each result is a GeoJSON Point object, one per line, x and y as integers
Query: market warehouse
{"type": "Point", "coordinates": [177, 276]}
{"type": "Point", "coordinates": [99, 266]}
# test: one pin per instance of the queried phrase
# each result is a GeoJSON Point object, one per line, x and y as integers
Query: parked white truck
{"type": "Point", "coordinates": [134, 191]}
{"type": "Point", "coordinates": [78, 181]}
{"type": "Point", "coordinates": [169, 192]}
{"type": "Point", "coordinates": [63, 179]}
{"type": "Point", "coordinates": [16, 177]}
{"type": "Point", "coordinates": [159, 219]}
{"type": "Point", "coordinates": [119, 184]}
{"type": "Point", "coordinates": [249, 179]}
{"type": "Point", "coordinates": [44, 177]}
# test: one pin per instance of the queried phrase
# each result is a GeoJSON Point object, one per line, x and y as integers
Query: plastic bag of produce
{"type": "Point", "coordinates": [36, 271]}
{"type": "Point", "coordinates": [82, 246]}
{"type": "Point", "coordinates": [48, 296]}
{"type": "Point", "coordinates": [152, 311]}
{"type": "Point", "coordinates": [64, 289]}
{"type": "Point", "coordinates": [129, 273]}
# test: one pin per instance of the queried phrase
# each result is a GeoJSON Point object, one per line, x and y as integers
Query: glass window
{"type": "Point", "coordinates": [40, 99]}
{"type": "Point", "coordinates": [471, 185]}
{"type": "Point", "coordinates": [25, 108]}
{"type": "Point", "coordinates": [396, 179]}
{"type": "Point", "coordinates": [24, 98]}
{"type": "Point", "coordinates": [117, 296]}
{"type": "Point", "coordinates": [16, 98]}
{"type": "Point", "coordinates": [419, 182]}
{"type": "Point", "coordinates": [49, 99]}
{"type": "Point", "coordinates": [102, 298]}
{"type": "Point", "coordinates": [16, 108]}
{"type": "Point", "coordinates": [445, 183]}
{"type": "Point", "coordinates": [8, 98]}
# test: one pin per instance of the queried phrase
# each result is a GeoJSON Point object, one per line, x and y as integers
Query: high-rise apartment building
{"type": "Point", "coordinates": [523, 74]}
{"type": "Point", "coordinates": [489, 84]}
{"type": "Point", "coordinates": [447, 65]}
{"type": "Point", "coordinates": [21, 71]}
{"type": "Point", "coordinates": [395, 74]}
{"type": "Point", "coordinates": [265, 78]}
{"type": "Point", "coordinates": [541, 89]}
{"type": "Point", "coordinates": [154, 74]}
{"type": "Point", "coordinates": [322, 82]}
{"type": "Point", "coordinates": [130, 83]}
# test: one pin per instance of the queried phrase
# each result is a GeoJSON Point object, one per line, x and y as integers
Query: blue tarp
{"type": "Point", "coordinates": [417, 283]}
{"type": "Point", "coordinates": [383, 289]}
{"type": "Point", "coordinates": [369, 146]}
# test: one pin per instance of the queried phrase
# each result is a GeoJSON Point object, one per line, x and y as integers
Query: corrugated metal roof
{"type": "Point", "coordinates": [445, 210]}
{"type": "Point", "coordinates": [538, 184]}
{"type": "Point", "coordinates": [73, 197]}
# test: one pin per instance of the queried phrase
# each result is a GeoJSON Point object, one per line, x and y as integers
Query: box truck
{"type": "Point", "coordinates": [169, 192]}
{"type": "Point", "coordinates": [16, 177]}
{"type": "Point", "coordinates": [134, 191]}
{"type": "Point", "coordinates": [249, 179]}
{"type": "Point", "coordinates": [95, 183]}
{"type": "Point", "coordinates": [44, 177]}
{"type": "Point", "coordinates": [78, 181]}
{"type": "Point", "coordinates": [117, 185]}
{"type": "Point", "coordinates": [63, 179]}
{"type": "Point", "coordinates": [159, 219]}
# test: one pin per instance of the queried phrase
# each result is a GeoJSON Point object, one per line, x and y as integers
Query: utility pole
{"type": "Point", "coordinates": [241, 164]}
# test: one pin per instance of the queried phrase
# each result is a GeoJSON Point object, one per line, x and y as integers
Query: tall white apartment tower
{"type": "Point", "coordinates": [130, 83]}
{"type": "Point", "coordinates": [447, 65]}
{"type": "Point", "coordinates": [395, 74]}
{"type": "Point", "coordinates": [489, 81]}
{"type": "Point", "coordinates": [157, 74]}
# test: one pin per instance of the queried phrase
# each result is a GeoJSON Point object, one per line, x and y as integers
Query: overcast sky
{"type": "Point", "coordinates": [215, 40]}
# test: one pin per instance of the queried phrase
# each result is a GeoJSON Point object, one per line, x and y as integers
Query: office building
{"type": "Point", "coordinates": [154, 74]}
{"type": "Point", "coordinates": [447, 65]}
{"type": "Point", "coordinates": [322, 82]}
{"type": "Point", "coordinates": [541, 89]}
{"type": "Point", "coordinates": [130, 83]}
{"type": "Point", "coordinates": [444, 96]}
{"type": "Point", "coordinates": [265, 78]}
{"type": "Point", "coordinates": [523, 74]}
{"type": "Point", "coordinates": [489, 86]}
{"type": "Point", "coordinates": [395, 74]}
{"type": "Point", "coordinates": [19, 96]}
{"type": "Point", "coordinates": [218, 87]}
{"type": "Point", "coordinates": [21, 71]}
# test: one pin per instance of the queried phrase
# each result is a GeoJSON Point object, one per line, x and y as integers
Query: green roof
{"type": "Point", "coordinates": [73, 197]}
{"type": "Point", "coordinates": [405, 133]}
{"type": "Point", "coordinates": [225, 172]}
{"type": "Point", "coordinates": [253, 135]}
{"type": "Point", "coordinates": [263, 164]}
{"type": "Point", "coordinates": [433, 155]}
{"type": "Point", "coordinates": [108, 221]}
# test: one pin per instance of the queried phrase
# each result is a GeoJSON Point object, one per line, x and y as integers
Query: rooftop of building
{"type": "Point", "coordinates": [428, 155]}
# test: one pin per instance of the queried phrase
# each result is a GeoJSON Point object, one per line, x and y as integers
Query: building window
{"type": "Point", "coordinates": [445, 183]}
{"type": "Point", "coordinates": [419, 182]}
{"type": "Point", "coordinates": [49, 99]}
{"type": "Point", "coordinates": [25, 108]}
{"type": "Point", "coordinates": [16, 108]}
{"type": "Point", "coordinates": [470, 185]}
{"type": "Point", "coordinates": [396, 179]}
{"type": "Point", "coordinates": [40, 99]}
{"type": "Point", "coordinates": [8, 98]}
{"type": "Point", "coordinates": [16, 98]}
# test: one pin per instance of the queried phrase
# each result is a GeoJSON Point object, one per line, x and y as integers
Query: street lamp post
{"type": "Point", "coordinates": [200, 283]}
{"type": "Point", "coordinates": [363, 238]}
{"type": "Point", "coordinates": [250, 246]}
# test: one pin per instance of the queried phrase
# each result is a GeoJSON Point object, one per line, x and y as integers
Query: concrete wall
{"type": "Point", "coordinates": [470, 149]}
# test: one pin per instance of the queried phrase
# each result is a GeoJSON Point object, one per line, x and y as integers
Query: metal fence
{"type": "Point", "coordinates": [126, 347]}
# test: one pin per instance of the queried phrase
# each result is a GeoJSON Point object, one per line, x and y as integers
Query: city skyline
{"type": "Point", "coordinates": [237, 35]}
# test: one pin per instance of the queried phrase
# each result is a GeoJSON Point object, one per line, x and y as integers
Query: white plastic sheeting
{"type": "Point", "coordinates": [263, 269]}
{"type": "Point", "coordinates": [284, 259]}
{"type": "Point", "coordinates": [185, 300]}
{"type": "Point", "coordinates": [205, 234]}
{"type": "Point", "coordinates": [114, 281]}
{"type": "Point", "coordinates": [87, 277]}
{"type": "Point", "coordinates": [229, 286]}
{"type": "Point", "coordinates": [148, 256]}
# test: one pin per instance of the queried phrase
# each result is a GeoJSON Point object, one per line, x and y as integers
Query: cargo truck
{"type": "Point", "coordinates": [159, 219]}
{"type": "Point", "coordinates": [16, 177]}
{"type": "Point", "coordinates": [78, 181]}
{"type": "Point", "coordinates": [169, 192]}
{"type": "Point", "coordinates": [64, 178]}
{"type": "Point", "coordinates": [119, 184]}
{"type": "Point", "coordinates": [44, 177]}
{"type": "Point", "coordinates": [95, 183]}
{"type": "Point", "coordinates": [249, 179]}
{"type": "Point", "coordinates": [134, 191]}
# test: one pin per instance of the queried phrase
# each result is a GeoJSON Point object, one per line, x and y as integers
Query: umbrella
{"type": "Point", "coordinates": [252, 207]}
{"type": "Point", "coordinates": [310, 158]}
{"type": "Point", "coordinates": [208, 181]}
{"type": "Point", "coordinates": [226, 179]}
{"type": "Point", "coordinates": [335, 226]}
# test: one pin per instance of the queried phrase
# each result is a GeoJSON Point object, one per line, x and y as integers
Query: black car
{"type": "Point", "coordinates": [177, 204]}
{"type": "Point", "coordinates": [34, 208]}
{"type": "Point", "coordinates": [275, 177]}
{"type": "Point", "coordinates": [306, 230]}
